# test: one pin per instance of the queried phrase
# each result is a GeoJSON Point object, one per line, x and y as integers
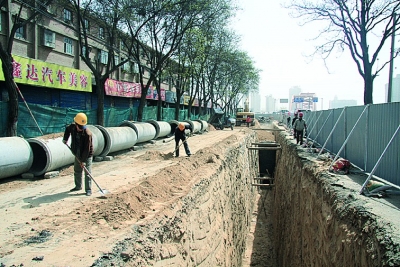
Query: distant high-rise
{"type": "Point", "coordinates": [255, 102]}
{"type": "Point", "coordinates": [336, 103]}
{"type": "Point", "coordinates": [395, 89]}
{"type": "Point", "coordinates": [270, 104]}
{"type": "Point", "coordinates": [295, 90]}
{"type": "Point", "coordinates": [305, 101]}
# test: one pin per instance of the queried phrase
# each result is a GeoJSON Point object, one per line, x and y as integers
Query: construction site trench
{"type": "Point", "coordinates": [201, 211]}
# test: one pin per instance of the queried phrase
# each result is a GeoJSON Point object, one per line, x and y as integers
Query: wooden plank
{"type": "Point", "coordinates": [273, 130]}
{"type": "Point", "coordinates": [264, 178]}
{"type": "Point", "coordinates": [265, 144]}
{"type": "Point", "coordinates": [263, 185]}
{"type": "Point", "coordinates": [264, 148]}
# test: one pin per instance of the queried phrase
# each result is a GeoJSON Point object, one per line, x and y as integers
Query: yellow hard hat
{"type": "Point", "coordinates": [80, 118]}
{"type": "Point", "coordinates": [181, 126]}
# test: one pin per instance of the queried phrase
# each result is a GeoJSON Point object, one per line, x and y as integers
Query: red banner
{"type": "Point", "coordinates": [125, 89]}
{"type": "Point", "coordinates": [122, 89]}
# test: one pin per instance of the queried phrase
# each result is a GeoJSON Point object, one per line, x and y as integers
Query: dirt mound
{"type": "Point", "coordinates": [153, 155]}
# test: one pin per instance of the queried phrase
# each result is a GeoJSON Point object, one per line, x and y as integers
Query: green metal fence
{"type": "Point", "coordinates": [54, 119]}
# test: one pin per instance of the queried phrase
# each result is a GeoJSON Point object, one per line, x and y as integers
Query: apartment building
{"type": "Point", "coordinates": [48, 68]}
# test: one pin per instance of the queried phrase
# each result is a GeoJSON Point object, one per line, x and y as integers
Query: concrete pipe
{"type": "Point", "coordinates": [16, 156]}
{"type": "Point", "coordinates": [204, 125]}
{"type": "Point", "coordinates": [175, 123]}
{"type": "Point", "coordinates": [196, 126]}
{"type": "Point", "coordinates": [145, 131]}
{"type": "Point", "coordinates": [163, 128]}
{"type": "Point", "coordinates": [49, 154]}
{"type": "Point", "coordinates": [117, 138]}
{"type": "Point", "coordinates": [97, 140]}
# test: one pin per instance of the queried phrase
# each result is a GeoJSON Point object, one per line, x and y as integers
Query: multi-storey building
{"type": "Point", "coordinates": [48, 67]}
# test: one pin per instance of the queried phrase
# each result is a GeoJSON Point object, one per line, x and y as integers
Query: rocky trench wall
{"type": "Point", "coordinates": [321, 220]}
{"type": "Point", "coordinates": [209, 225]}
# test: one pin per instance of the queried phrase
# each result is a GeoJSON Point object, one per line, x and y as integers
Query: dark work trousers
{"type": "Point", "coordinates": [185, 145]}
{"type": "Point", "coordinates": [299, 136]}
{"type": "Point", "coordinates": [78, 174]}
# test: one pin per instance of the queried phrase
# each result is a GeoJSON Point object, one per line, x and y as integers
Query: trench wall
{"type": "Point", "coordinates": [321, 220]}
{"type": "Point", "coordinates": [209, 225]}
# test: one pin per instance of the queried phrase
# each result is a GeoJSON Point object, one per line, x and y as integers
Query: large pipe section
{"type": "Point", "coordinates": [117, 138]}
{"type": "Point", "coordinates": [175, 123]}
{"type": "Point", "coordinates": [97, 140]}
{"type": "Point", "coordinates": [145, 131]}
{"type": "Point", "coordinates": [16, 156]}
{"type": "Point", "coordinates": [49, 154]}
{"type": "Point", "coordinates": [204, 125]}
{"type": "Point", "coordinates": [196, 126]}
{"type": "Point", "coordinates": [163, 128]}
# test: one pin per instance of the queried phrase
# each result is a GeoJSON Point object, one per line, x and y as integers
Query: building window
{"type": "Point", "coordinates": [68, 48]}
{"type": "Point", "coordinates": [1, 22]}
{"type": "Point", "coordinates": [21, 32]}
{"type": "Point", "coordinates": [67, 16]}
{"type": "Point", "coordinates": [49, 38]}
{"type": "Point", "coordinates": [86, 25]}
{"type": "Point", "coordinates": [103, 57]}
{"type": "Point", "coordinates": [101, 32]}
{"type": "Point", "coordinates": [89, 49]}
{"type": "Point", "coordinates": [135, 68]}
{"type": "Point", "coordinates": [126, 67]}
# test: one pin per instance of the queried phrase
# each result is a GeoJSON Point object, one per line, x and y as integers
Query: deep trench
{"type": "Point", "coordinates": [302, 220]}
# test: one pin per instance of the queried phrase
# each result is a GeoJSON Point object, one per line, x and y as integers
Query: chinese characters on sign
{"type": "Point", "coordinates": [39, 73]}
{"type": "Point", "coordinates": [126, 89]}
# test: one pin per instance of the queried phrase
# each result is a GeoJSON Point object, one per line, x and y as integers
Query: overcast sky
{"type": "Point", "coordinates": [279, 47]}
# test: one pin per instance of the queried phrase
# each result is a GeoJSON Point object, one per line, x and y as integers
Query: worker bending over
{"type": "Point", "coordinates": [181, 135]}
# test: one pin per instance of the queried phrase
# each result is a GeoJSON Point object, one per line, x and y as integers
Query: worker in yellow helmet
{"type": "Point", "coordinates": [181, 135]}
{"type": "Point", "coordinates": [82, 148]}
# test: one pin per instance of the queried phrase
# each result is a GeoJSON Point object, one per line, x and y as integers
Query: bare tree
{"type": "Point", "coordinates": [352, 25]}
{"type": "Point", "coordinates": [110, 16]}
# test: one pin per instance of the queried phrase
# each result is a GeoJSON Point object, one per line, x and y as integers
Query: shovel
{"type": "Point", "coordinates": [102, 191]}
{"type": "Point", "coordinates": [172, 153]}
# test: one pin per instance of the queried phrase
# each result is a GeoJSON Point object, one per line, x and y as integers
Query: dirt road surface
{"type": "Point", "coordinates": [45, 224]}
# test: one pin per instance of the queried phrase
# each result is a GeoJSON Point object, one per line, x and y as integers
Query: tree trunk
{"type": "Point", "coordinates": [142, 103]}
{"type": "Point", "coordinates": [12, 119]}
{"type": "Point", "coordinates": [100, 101]}
{"type": "Point", "coordinates": [159, 100]}
{"type": "Point", "coordinates": [368, 85]}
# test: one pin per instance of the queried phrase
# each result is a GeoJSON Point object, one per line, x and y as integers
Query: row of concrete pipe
{"type": "Point", "coordinates": [44, 154]}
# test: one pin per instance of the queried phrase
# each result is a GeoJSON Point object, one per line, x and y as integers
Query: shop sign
{"type": "Point", "coordinates": [39, 73]}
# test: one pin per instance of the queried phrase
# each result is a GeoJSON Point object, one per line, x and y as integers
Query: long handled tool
{"type": "Point", "coordinates": [103, 191]}
{"type": "Point", "coordinates": [176, 149]}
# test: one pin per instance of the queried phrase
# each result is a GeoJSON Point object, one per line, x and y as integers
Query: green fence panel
{"type": "Point", "coordinates": [54, 119]}
{"type": "Point", "coordinates": [168, 114]}
{"type": "Point", "coordinates": [183, 114]}
{"type": "Point", "coordinates": [115, 116]}
{"type": "Point", "coordinates": [3, 118]}
{"type": "Point", "coordinates": [50, 120]}
{"type": "Point", "coordinates": [149, 113]}
{"type": "Point", "coordinates": [135, 113]}
{"type": "Point", "coordinates": [194, 117]}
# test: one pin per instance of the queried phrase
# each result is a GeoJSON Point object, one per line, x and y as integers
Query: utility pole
{"type": "Point", "coordinates": [390, 85]}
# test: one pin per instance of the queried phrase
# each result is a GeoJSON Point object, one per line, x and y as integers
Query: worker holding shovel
{"type": "Point", "coordinates": [82, 148]}
{"type": "Point", "coordinates": [180, 135]}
